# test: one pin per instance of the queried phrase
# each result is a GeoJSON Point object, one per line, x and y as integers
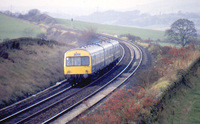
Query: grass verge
{"type": "Point", "coordinates": [184, 106]}
{"type": "Point", "coordinates": [29, 69]}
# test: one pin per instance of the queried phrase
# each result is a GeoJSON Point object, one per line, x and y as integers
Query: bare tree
{"type": "Point", "coordinates": [182, 32]}
{"type": "Point", "coordinates": [42, 36]}
{"type": "Point", "coordinates": [147, 77]}
{"type": "Point", "coordinates": [88, 36]}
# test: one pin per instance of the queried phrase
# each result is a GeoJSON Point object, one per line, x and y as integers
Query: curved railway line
{"type": "Point", "coordinates": [63, 98]}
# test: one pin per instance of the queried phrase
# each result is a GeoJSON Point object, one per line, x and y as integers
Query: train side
{"type": "Point", "coordinates": [88, 60]}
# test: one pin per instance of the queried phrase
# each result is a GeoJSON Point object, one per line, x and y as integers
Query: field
{"type": "Point", "coordinates": [115, 30]}
{"type": "Point", "coordinates": [14, 28]}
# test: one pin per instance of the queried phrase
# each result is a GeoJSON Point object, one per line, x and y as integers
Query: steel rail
{"type": "Point", "coordinates": [56, 85]}
{"type": "Point", "coordinates": [64, 111]}
{"type": "Point", "coordinates": [95, 92]}
{"type": "Point", "coordinates": [33, 105]}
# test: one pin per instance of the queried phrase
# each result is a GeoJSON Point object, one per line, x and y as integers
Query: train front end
{"type": "Point", "coordinates": [77, 65]}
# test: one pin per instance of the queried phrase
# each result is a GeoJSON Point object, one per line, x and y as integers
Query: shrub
{"type": "Point", "coordinates": [125, 106]}
{"type": "Point", "coordinates": [132, 37]}
{"type": "Point", "coordinates": [42, 36]}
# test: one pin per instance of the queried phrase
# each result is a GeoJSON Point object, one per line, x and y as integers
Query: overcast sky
{"type": "Point", "coordinates": [85, 7]}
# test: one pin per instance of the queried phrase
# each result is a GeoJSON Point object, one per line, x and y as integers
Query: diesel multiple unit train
{"type": "Point", "coordinates": [81, 63]}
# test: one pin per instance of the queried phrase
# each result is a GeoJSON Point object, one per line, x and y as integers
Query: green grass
{"type": "Point", "coordinates": [15, 28]}
{"type": "Point", "coordinates": [184, 107]}
{"type": "Point", "coordinates": [112, 29]}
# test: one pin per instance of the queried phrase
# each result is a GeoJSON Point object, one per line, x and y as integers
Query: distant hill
{"type": "Point", "coordinates": [137, 19]}
{"type": "Point", "coordinates": [33, 15]}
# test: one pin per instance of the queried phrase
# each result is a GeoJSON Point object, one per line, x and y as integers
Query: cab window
{"type": "Point", "coordinates": [77, 61]}
{"type": "Point", "coordinates": [85, 61]}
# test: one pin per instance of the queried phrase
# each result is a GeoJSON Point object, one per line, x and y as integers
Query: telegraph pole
{"type": "Point", "coordinates": [72, 25]}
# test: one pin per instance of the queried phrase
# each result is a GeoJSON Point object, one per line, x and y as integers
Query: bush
{"type": "Point", "coordinates": [147, 77]}
{"type": "Point", "coordinates": [125, 106]}
{"type": "Point", "coordinates": [42, 36]}
{"type": "Point", "coordinates": [132, 37]}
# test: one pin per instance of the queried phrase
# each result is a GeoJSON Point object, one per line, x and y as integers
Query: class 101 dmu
{"type": "Point", "coordinates": [85, 62]}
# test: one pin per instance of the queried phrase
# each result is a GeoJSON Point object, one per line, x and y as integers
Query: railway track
{"type": "Point", "coordinates": [50, 108]}
{"type": "Point", "coordinates": [94, 98]}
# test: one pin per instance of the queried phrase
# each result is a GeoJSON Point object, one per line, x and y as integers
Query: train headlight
{"type": "Point", "coordinates": [68, 72]}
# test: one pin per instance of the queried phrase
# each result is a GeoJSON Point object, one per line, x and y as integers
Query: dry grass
{"type": "Point", "coordinates": [30, 70]}
{"type": "Point", "coordinates": [160, 84]}
{"type": "Point", "coordinates": [168, 63]}
{"type": "Point", "coordinates": [145, 45]}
